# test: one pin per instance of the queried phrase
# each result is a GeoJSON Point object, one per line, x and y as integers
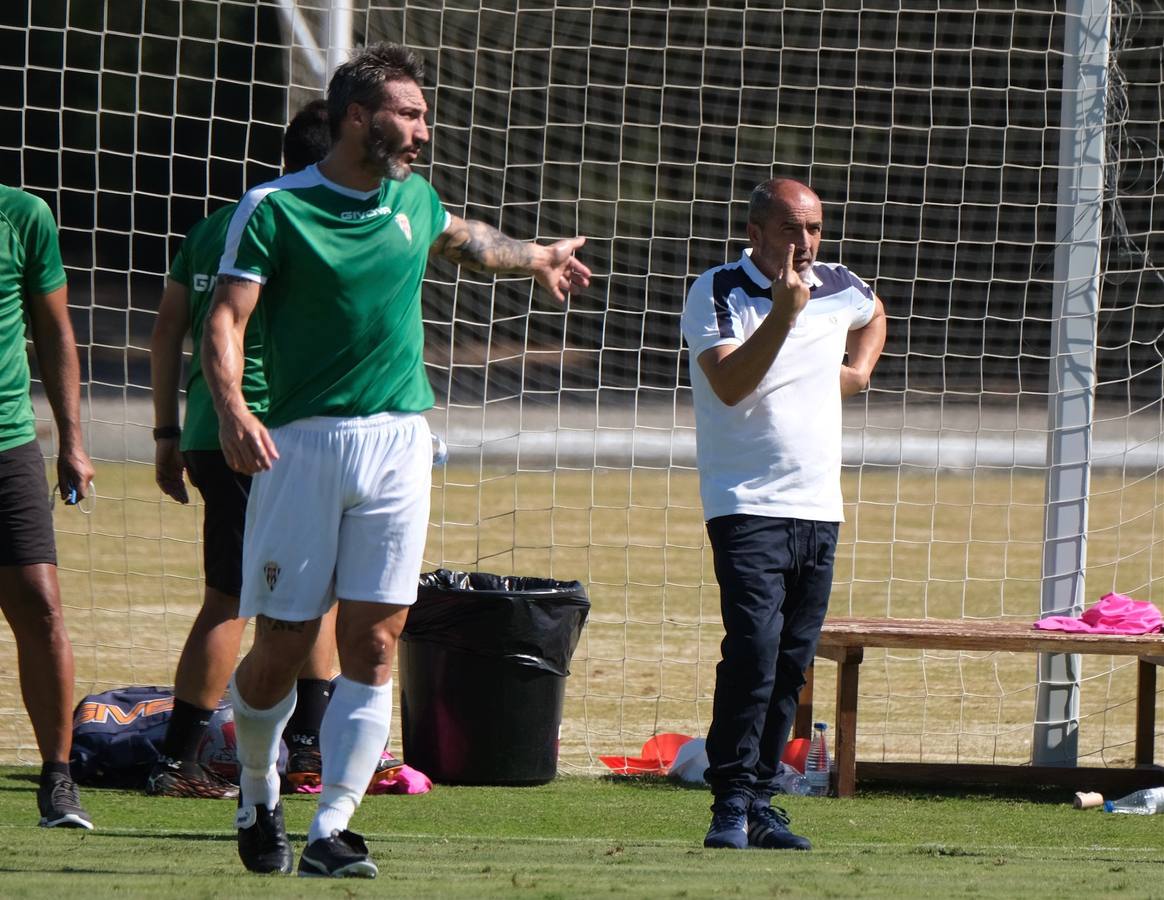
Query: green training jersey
{"type": "Point", "coordinates": [196, 268]}
{"type": "Point", "coordinates": [340, 307]}
{"type": "Point", "coordinates": [30, 263]}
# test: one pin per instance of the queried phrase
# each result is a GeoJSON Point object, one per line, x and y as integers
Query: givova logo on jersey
{"type": "Point", "coordinates": [360, 215]}
{"type": "Point", "coordinates": [202, 282]}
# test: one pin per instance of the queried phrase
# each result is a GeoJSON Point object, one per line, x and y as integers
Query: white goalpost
{"type": "Point", "coordinates": [994, 170]}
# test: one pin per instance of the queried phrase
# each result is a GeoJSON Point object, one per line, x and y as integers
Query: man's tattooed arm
{"type": "Point", "coordinates": [483, 248]}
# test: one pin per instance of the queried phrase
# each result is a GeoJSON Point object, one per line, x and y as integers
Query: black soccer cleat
{"type": "Point", "coordinates": [186, 778]}
{"type": "Point", "coordinates": [262, 839]}
{"type": "Point", "coordinates": [60, 803]}
{"type": "Point", "coordinates": [343, 855]}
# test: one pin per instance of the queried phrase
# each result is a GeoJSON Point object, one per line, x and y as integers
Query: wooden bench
{"type": "Point", "coordinates": [844, 640]}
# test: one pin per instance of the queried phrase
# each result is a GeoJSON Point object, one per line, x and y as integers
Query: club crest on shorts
{"type": "Point", "coordinates": [271, 572]}
{"type": "Point", "coordinates": [405, 225]}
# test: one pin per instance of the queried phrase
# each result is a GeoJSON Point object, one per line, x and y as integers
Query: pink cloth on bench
{"type": "Point", "coordinates": [1113, 614]}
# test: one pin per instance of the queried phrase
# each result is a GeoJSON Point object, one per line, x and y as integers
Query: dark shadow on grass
{"type": "Point", "coordinates": [161, 835]}
{"type": "Point", "coordinates": [128, 873]}
{"type": "Point", "coordinates": [1047, 794]}
{"type": "Point", "coordinates": [654, 782]}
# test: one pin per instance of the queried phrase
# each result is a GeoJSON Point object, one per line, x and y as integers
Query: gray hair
{"type": "Point", "coordinates": [362, 78]}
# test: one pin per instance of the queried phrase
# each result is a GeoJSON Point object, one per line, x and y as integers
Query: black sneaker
{"type": "Point", "coordinates": [60, 803]}
{"type": "Point", "coordinates": [768, 829]}
{"type": "Point", "coordinates": [728, 829]}
{"type": "Point", "coordinates": [343, 855]}
{"type": "Point", "coordinates": [262, 839]}
{"type": "Point", "coordinates": [186, 778]}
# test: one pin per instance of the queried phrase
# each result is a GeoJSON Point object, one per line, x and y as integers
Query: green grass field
{"type": "Point", "coordinates": [916, 543]}
{"type": "Point", "coordinates": [586, 837]}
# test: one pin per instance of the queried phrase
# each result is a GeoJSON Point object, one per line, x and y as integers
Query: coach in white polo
{"type": "Point", "coordinates": [768, 336]}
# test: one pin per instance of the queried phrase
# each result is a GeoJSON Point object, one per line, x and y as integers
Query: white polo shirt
{"type": "Point", "coordinates": [778, 451]}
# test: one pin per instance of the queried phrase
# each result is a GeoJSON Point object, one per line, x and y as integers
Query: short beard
{"type": "Point", "coordinates": [378, 156]}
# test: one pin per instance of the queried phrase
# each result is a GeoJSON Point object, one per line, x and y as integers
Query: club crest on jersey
{"type": "Point", "coordinates": [271, 572]}
{"type": "Point", "coordinates": [405, 225]}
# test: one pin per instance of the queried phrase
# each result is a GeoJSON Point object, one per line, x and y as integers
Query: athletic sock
{"type": "Point", "coordinates": [303, 728]}
{"type": "Point", "coordinates": [258, 733]}
{"type": "Point", "coordinates": [59, 768]}
{"type": "Point", "coordinates": [185, 730]}
{"type": "Point", "coordinates": [352, 737]}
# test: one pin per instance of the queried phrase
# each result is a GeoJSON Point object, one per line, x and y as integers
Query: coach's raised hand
{"type": "Point", "coordinates": [789, 290]}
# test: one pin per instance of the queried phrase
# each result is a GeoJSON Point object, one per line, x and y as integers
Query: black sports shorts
{"type": "Point", "coordinates": [225, 492]}
{"type": "Point", "coordinates": [26, 518]}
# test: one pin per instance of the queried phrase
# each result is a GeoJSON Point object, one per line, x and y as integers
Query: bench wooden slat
{"type": "Point", "coordinates": [972, 634]}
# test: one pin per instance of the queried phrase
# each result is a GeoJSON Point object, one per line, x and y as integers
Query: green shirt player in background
{"type": "Point", "coordinates": [211, 649]}
{"type": "Point", "coordinates": [333, 258]}
{"type": "Point", "coordinates": [32, 281]}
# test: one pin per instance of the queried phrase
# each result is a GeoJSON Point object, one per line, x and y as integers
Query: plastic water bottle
{"type": "Point", "coordinates": [440, 451]}
{"type": "Point", "coordinates": [1141, 803]}
{"type": "Point", "coordinates": [790, 781]}
{"type": "Point", "coordinates": [817, 765]}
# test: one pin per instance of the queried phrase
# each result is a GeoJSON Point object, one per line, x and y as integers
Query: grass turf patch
{"type": "Point", "coordinates": [587, 837]}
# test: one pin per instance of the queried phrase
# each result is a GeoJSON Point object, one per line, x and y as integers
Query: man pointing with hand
{"type": "Point", "coordinates": [332, 259]}
{"type": "Point", "coordinates": [768, 337]}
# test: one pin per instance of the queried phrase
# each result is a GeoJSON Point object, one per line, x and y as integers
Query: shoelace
{"type": "Point", "coordinates": [64, 794]}
{"type": "Point", "coordinates": [773, 816]}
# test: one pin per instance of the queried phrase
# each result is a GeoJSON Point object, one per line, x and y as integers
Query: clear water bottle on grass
{"type": "Point", "coordinates": [790, 781]}
{"type": "Point", "coordinates": [1141, 803]}
{"type": "Point", "coordinates": [817, 765]}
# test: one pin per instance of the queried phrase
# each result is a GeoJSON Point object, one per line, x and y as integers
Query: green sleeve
{"type": "Point", "coordinates": [43, 270]}
{"type": "Point", "coordinates": [251, 240]}
{"type": "Point", "coordinates": [439, 215]}
{"type": "Point", "coordinates": [180, 267]}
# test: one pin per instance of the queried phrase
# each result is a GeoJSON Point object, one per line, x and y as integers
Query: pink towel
{"type": "Point", "coordinates": [1113, 614]}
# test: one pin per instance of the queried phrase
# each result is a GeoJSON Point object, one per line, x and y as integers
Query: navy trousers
{"type": "Point", "coordinates": [774, 578]}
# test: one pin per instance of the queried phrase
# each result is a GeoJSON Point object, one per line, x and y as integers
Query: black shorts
{"type": "Point", "coordinates": [26, 517]}
{"type": "Point", "coordinates": [225, 492]}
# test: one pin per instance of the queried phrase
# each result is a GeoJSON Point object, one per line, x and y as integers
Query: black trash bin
{"type": "Point", "coordinates": [483, 666]}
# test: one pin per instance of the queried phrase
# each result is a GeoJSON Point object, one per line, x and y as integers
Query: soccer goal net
{"type": "Point", "coordinates": [934, 133]}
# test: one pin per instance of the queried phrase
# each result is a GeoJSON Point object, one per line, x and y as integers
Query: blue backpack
{"type": "Point", "coordinates": [117, 736]}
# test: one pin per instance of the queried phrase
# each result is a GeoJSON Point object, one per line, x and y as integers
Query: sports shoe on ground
{"type": "Point", "coordinates": [60, 803]}
{"type": "Point", "coordinates": [729, 828]}
{"type": "Point", "coordinates": [304, 767]}
{"type": "Point", "coordinates": [186, 778]}
{"type": "Point", "coordinates": [768, 830]}
{"type": "Point", "coordinates": [262, 839]}
{"type": "Point", "coordinates": [385, 767]}
{"type": "Point", "coordinates": [342, 855]}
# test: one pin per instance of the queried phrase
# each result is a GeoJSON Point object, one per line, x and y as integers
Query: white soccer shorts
{"type": "Point", "coordinates": [342, 513]}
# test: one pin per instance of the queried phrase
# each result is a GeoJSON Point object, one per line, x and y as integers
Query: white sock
{"type": "Point", "coordinates": [258, 732]}
{"type": "Point", "coordinates": [351, 739]}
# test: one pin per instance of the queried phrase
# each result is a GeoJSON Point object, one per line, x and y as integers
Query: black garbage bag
{"type": "Point", "coordinates": [483, 666]}
{"type": "Point", "coordinates": [529, 621]}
